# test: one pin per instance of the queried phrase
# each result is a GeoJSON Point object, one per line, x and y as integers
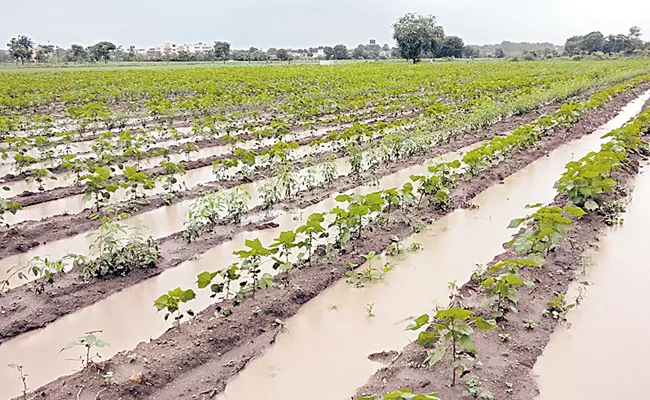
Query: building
{"type": "Point", "coordinates": [173, 48]}
{"type": "Point", "coordinates": [373, 42]}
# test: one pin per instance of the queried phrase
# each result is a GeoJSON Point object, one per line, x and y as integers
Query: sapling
{"type": "Point", "coordinates": [252, 261]}
{"type": "Point", "coordinates": [90, 340]}
{"type": "Point", "coordinates": [451, 327]}
{"type": "Point", "coordinates": [312, 229]}
{"type": "Point", "coordinates": [329, 171]}
{"type": "Point", "coordinates": [172, 301]}
{"type": "Point", "coordinates": [285, 242]}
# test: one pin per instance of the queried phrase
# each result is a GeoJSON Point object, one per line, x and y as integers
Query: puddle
{"type": "Point", "coordinates": [75, 204]}
{"type": "Point", "coordinates": [124, 330]}
{"type": "Point", "coordinates": [324, 338]}
{"type": "Point", "coordinates": [602, 356]}
{"type": "Point", "coordinates": [128, 317]}
{"type": "Point", "coordinates": [68, 179]}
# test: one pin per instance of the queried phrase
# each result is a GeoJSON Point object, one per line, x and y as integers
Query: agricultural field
{"type": "Point", "coordinates": [367, 231]}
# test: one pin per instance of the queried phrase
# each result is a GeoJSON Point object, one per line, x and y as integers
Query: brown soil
{"type": "Point", "coordinates": [36, 233]}
{"type": "Point", "coordinates": [197, 362]}
{"type": "Point", "coordinates": [504, 364]}
{"type": "Point", "coordinates": [34, 305]}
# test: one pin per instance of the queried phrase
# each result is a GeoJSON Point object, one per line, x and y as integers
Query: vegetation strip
{"type": "Point", "coordinates": [76, 224]}
{"type": "Point", "coordinates": [545, 256]}
{"type": "Point", "coordinates": [283, 299]}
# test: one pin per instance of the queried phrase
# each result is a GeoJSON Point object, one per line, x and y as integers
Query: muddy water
{"type": "Point", "coordinates": [75, 204]}
{"type": "Point", "coordinates": [38, 350]}
{"type": "Point", "coordinates": [68, 179]}
{"type": "Point", "coordinates": [128, 317]}
{"type": "Point", "coordinates": [603, 355]}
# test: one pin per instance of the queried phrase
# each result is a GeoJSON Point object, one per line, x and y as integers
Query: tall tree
{"type": "Point", "coordinates": [341, 52]}
{"type": "Point", "coordinates": [44, 52]}
{"type": "Point", "coordinates": [20, 48]}
{"type": "Point", "coordinates": [329, 52]}
{"type": "Point", "coordinates": [77, 53]}
{"type": "Point", "coordinates": [415, 33]}
{"type": "Point", "coordinates": [102, 51]}
{"type": "Point", "coordinates": [359, 52]}
{"type": "Point", "coordinates": [222, 51]}
{"type": "Point", "coordinates": [283, 55]}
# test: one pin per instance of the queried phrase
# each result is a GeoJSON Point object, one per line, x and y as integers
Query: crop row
{"type": "Point", "coordinates": [210, 209]}
{"type": "Point", "coordinates": [299, 93]}
{"type": "Point", "coordinates": [586, 187]}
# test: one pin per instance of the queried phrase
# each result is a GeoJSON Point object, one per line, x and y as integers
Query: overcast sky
{"type": "Point", "coordinates": [307, 23]}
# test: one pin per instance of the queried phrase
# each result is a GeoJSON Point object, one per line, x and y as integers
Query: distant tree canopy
{"type": "Point", "coordinates": [506, 49]}
{"type": "Point", "coordinates": [340, 52]}
{"type": "Point", "coordinates": [415, 34]}
{"type": "Point", "coordinates": [283, 55]}
{"type": "Point", "coordinates": [452, 46]}
{"type": "Point", "coordinates": [222, 50]}
{"type": "Point", "coordinates": [20, 48]}
{"type": "Point", "coordinates": [596, 42]}
{"type": "Point", "coordinates": [101, 51]}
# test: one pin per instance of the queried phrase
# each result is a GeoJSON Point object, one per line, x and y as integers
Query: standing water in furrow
{"type": "Point", "coordinates": [68, 178]}
{"type": "Point", "coordinates": [599, 353]}
{"type": "Point", "coordinates": [339, 321]}
{"type": "Point", "coordinates": [128, 317]}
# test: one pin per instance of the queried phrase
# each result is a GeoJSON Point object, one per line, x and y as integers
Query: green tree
{"type": "Point", "coordinates": [499, 53]}
{"type": "Point", "coordinates": [77, 53]}
{"type": "Point", "coordinates": [359, 52]}
{"type": "Point", "coordinates": [20, 48]}
{"type": "Point", "coordinates": [102, 51]}
{"type": "Point", "coordinates": [44, 52]}
{"type": "Point", "coordinates": [329, 52]}
{"type": "Point", "coordinates": [222, 51]}
{"type": "Point", "coordinates": [283, 55]}
{"type": "Point", "coordinates": [340, 52]}
{"type": "Point", "coordinates": [452, 46]}
{"type": "Point", "coordinates": [415, 33]}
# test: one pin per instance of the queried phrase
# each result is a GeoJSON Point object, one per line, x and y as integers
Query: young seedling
{"type": "Point", "coordinates": [23, 376]}
{"type": "Point", "coordinates": [252, 261]}
{"type": "Point", "coordinates": [285, 242]}
{"type": "Point", "coordinates": [529, 324]}
{"type": "Point", "coordinates": [475, 390]}
{"type": "Point", "coordinates": [558, 307]}
{"type": "Point", "coordinates": [504, 337]}
{"type": "Point", "coordinates": [90, 340]}
{"type": "Point", "coordinates": [450, 328]}
{"type": "Point", "coordinates": [369, 308]}
{"type": "Point", "coordinates": [172, 301]}
{"type": "Point", "coordinates": [403, 394]}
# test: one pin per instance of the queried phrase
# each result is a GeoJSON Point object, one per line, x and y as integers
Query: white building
{"type": "Point", "coordinates": [173, 48]}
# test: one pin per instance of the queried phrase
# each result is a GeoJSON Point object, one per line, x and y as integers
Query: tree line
{"type": "Point", "coordinates": [596, 42]}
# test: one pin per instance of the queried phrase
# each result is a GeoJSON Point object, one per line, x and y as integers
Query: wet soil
{"type": "Point", "coordinates": [35, 233]}
{"type": "Point", "coordinates": [505, 367]}
{"type": "Point", "coordinates": [34, 197]}
{"type": "Point", "coordinates": [197, 361]}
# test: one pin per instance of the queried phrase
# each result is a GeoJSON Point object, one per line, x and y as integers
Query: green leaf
{"type": "Point", "coordinates": [515, 223]}
{"type": "Point", "coordinates": [161, 302]}
{"type": "Point", "coordinates": [418, 323]}
{"type": "Point", "coordinates": [468, 343]}
{"type": "Point", "coordinates": [205, 279]}
{"type": "Point", "coordinates": [428, 339]}
{"type": "Point", "coordinates": [485, 325]}
{"type": "Point", "coordinates": [591, 205]}
{"type": "Point", "coordinates": [435, 355]}
{"type": "Point", "coordinates": [575, 211]}
{"type": "Point", "coordinates": [187, 296]}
